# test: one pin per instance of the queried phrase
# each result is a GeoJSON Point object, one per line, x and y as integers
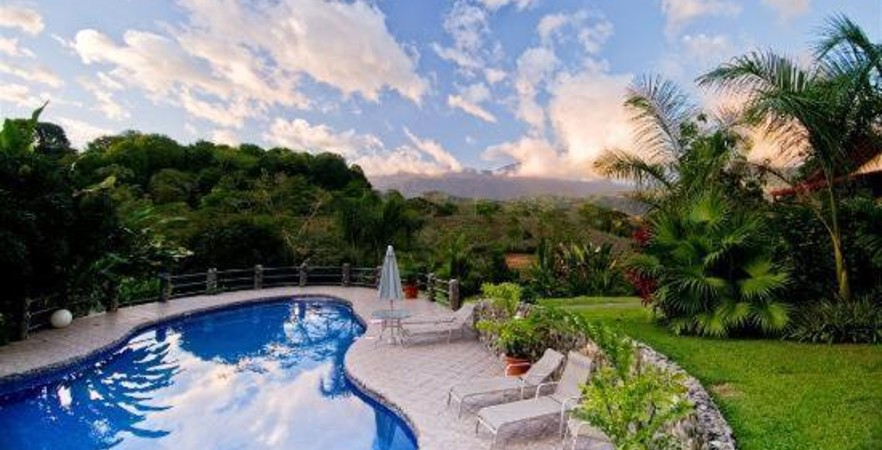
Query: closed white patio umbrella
{"type": "Point", "coordinates": [390, 279]}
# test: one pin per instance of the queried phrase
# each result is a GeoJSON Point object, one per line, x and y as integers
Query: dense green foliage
{"type": "Point", "coordinates": [707, 253]}
{"type": "Point", "coordinates": [776, 395]}
{"type": "Point", "coordinates": [712, 262]}
{"type": "Point", "coordinates": [82, 229]}
{"type": "Point", "coordinates": [577, 269]}
{"type": "Point", "coordinates": [717, 258]}
{"type": "Point", "coordinates": [830, 110]}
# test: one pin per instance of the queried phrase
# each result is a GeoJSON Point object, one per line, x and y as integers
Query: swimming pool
{"type": "Point", "coordinates": [261, 376]}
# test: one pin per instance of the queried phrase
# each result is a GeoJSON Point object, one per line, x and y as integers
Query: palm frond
{"type": "Point", "coordinates": [659, 110]}
{"type": "Point", "coordinates": [845, 47]}
{"type": "Point", "coordinates": [771, 316]}
{"type": "Point", "coordinates": [624, 165]}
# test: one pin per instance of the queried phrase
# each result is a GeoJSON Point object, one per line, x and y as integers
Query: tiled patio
{"type": "Point", "coordinates": [412, 380]}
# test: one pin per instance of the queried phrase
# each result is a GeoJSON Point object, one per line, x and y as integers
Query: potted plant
{"type": "Point", "coordinates": [411, 286]}
{"type": "Point", "coordinates": [515, 338]}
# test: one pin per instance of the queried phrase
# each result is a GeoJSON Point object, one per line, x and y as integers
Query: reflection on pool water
{"type": "Point", "coordinates": [266, 376]}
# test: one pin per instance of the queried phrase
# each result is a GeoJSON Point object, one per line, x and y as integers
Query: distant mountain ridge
{"type": "Point", "coordinates": [496, 186]}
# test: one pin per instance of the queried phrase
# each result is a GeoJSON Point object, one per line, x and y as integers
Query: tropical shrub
{"type": "Point", "coordinates": [635, 408]}
{"type": "Point", "coordinates": [505, 297]}
{"type": "Point", "coordinates": [858, 320]}
{"type": "Point", "coordinates": [713, 266]}
{"type": "Point", "coordinates": [572, 269]}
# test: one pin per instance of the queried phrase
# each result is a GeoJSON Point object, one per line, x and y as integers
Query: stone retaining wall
{"type": "Point", "coordinates": [705, 429]}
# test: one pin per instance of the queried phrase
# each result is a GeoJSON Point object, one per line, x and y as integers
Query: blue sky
{"type": "Point", "coordinates": [393, 85]}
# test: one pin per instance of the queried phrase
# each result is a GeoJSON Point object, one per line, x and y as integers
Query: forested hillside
{"type": "Point", "coordinates": [82, 225]}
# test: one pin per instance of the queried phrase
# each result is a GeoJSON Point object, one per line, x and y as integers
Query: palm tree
{"type": "Point", "coordinates": [829, 113]}
{"type": "Point", "coordinates": [713, 266]}
{"type": "Point", "coordinates": [679, 149]}
{"type": "Point", "coordinates": [708, 255]}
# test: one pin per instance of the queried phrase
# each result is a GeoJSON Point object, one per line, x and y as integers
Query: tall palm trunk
{"type": "Point", "coordinates": [836, 239]}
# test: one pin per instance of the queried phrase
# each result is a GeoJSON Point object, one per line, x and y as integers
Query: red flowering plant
{"type": "Point", "coordinates": [643, 283]}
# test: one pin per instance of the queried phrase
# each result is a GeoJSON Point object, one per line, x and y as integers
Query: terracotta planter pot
{"type": "Point", "coordinates": [516, 366]}
{"type": "Point", "coordinates": [411, 291]}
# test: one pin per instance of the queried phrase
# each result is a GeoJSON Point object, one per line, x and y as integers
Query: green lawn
{"type": "Point", "coordinates": [776, 395]}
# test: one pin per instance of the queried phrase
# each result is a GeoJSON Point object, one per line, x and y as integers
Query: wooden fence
{"type": "Point", "coordinates": [35, 315]}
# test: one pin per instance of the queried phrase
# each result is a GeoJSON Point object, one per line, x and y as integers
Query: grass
{"type": "Point", "coordinates": [776, 395]}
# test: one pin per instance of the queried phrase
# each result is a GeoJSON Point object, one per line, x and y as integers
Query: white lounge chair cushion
{"type": "Point", "coordinates": [494, 417]}
{"type": "Point", "coordinates": [486, 386]}
{"type": "Point", "coordinates": [544, 368]}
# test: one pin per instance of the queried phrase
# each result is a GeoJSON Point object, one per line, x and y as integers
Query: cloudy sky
{"type": "Point", "coordinates": [393, 85]}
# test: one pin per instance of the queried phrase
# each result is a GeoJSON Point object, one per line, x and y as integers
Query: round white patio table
{"type": "Point", "coordinates": [390, 320]}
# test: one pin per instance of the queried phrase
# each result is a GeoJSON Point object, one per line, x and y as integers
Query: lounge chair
{"type": "Point", "coordinates": [538, 374]}
{"type": "Point", "coordinates": [577, 429]}
{"type": "Point", "coordinates": [434, 318]}
{"type": "Point", "coordinates": [566, 395]}
{"type": "Point", "coordinates": [461, 318]}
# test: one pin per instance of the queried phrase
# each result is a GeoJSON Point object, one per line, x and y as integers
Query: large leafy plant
{"type": "Point", "coordinates": [635, 411]}
{"type": "Point", "coordinates": [713, 267]}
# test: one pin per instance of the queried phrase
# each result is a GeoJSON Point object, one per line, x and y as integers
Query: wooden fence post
{"type": "Point", "coordinates": [165, 287]}
{"type": "Point", "coordinates": [347, 275]}
{"type": "Point", "coordinates": [430, 286]}
{"type": "Point", "coordinates": [453, 294]}
{"type": "Point", "coordinates": [258, 276]}
{"type": "Point", "coordinates": [303, 275]}
{"type": "Point", "coordinates": [24, 323]}
{"type": "Point", "coordinates": [113, 292]}
{"type": "Point", "coordinates": [211, 281]}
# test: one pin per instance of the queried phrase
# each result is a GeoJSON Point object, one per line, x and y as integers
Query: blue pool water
{"type": "Point", "coordinates": [264, 376]}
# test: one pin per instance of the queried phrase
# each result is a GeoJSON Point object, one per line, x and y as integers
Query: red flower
{"type": "Point", "coordinates": [644, 285]}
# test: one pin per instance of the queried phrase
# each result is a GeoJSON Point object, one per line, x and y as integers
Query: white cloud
{"type": "Point", "coordinates": [534, 67]}
{"type": "Point", "coordinates": [298, 134]}
{"type": "Point", "coordinates": [107, 105]}
{"type": "Point", "coordinates": [592, 37]}
{"type": "Point", "coordinates": [789, 9]}
{"type": "Point", "coordinates": [587, 114]}
{"type": "Point", "coordinates": [550, 24]}
{"type": "Point", "coordinates": [148, 61]}
{"type": "Point", "coordinates": [497, 4]}
{"type": "Point", "coordinates": [469, 100]}
{"type": "Point", "coordinates": [535, 156]}
{"type": "Point", "coordinates": [436, 151]}
{"type": "Point", "coordinates": [456, 101]}
{"type": "Point", "coordinates": [345, 45]}
{"type": "Point", "coordinates": [231, 114]}
{"type": "Point", "coordinates": [28, 20]}
{"type": "Point", "coordinates": [11, 47]}
{"type": "Point", "coordinates": [592, 30]}
{"type": "Point", "coordinates": [226, 137]}
{"type": "Point", "coordinates": [35, 73]}
{"type": "Point", "coordinates": [80, 133]}
{"type": "Point", "coordinates": [681, 12]}
{"type": "Point", "coordinates": [19, 95]}
{"type": "Point", "coordinates": [494, 76]}
{"type": "Point", "coordinates": [366, 150]}
{"type": "Point", "coordinates": [467, 25]}
{"type": "Point", "coordinates": [574, 111]}
{"type": "Point", "coordinates": [706, 51]}
{"type": "Point", "coordinates": [233, 59]}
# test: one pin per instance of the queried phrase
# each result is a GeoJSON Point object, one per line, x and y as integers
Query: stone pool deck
{"type": "Point", "coordinates": [412, 380]}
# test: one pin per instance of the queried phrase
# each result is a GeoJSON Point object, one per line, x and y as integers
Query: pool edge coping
{"type": "Point", "coordinates": [55, 369]}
